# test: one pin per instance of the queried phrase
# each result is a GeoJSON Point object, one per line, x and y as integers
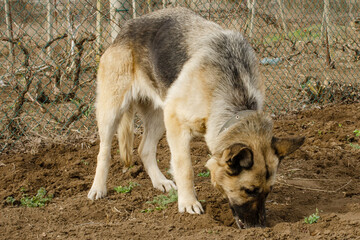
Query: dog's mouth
{"type": "Point", "coordinates": [245, 218]}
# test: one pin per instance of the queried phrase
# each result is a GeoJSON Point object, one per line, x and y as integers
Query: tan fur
{"type": "Point", "coordinates": [254, 132]}
{"type": "Point", "coordinates": [121, 87]}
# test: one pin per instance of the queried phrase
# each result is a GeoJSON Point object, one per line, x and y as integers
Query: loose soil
{"type": "Point", "coordinates": [324, 174]}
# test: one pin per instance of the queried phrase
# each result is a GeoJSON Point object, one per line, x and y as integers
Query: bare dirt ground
{"type": "Point", "coordinates": [324, 174]}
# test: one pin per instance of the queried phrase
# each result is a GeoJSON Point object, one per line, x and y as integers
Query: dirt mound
{"type": "Point", "coordinates": [324, 174]}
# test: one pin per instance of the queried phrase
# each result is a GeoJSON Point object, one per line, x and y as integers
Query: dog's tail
{"type": "Point", "coordinates": [125, 135]}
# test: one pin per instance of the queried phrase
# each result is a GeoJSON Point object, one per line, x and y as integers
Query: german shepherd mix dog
{"type": "Point", "coordinates": [190, 77]}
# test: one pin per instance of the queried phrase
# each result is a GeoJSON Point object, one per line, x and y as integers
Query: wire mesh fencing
{"type": "Point", "coordinates": [309, 53]}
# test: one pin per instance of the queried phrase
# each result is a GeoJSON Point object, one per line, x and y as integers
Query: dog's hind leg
{"type": "Point", "coordinates": [115, 76]}
{"type": "Point", "coordinates": [153, 131]}
{"type": "Point", "coordinates": [108, 119]}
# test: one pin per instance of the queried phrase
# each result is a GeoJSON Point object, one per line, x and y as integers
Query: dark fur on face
{"type": "Point", "coordinates": [241, 158]}
{"type": "Point", "coordinates": [251, 213]}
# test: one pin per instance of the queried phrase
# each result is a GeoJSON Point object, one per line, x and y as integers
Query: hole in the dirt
{"type": "Point", "coordinates": [75, 175]}
{"type": "Point", "coordinates": [220, 212]}
{"type": "Point", "coordinates": [46, 165]}
{"type": "Point", "coordinates": [275, 216]}
{"type": "Point", "coordinates": [275, 213]}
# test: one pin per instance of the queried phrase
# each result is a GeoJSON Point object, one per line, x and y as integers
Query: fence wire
{"type": "Point", "coordinates": [309, 53]}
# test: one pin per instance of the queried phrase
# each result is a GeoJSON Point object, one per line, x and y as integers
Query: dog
{"type": "Point", "coordinates": [189, 76]}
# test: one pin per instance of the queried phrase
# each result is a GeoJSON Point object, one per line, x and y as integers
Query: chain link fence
{"type": "Point", "coordinates": [309, 53]}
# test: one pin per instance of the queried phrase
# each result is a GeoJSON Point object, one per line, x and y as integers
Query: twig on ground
{"type": "Point", "coordinates": [116, 210]}
{"type": "Point", "coordinates": [314, 189]}
{"type": "Point", "coordinates": [356, 52]}
{"type": "Point", "coordinates": [343, 186]}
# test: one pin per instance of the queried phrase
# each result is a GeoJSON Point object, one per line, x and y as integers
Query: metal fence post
{"type": "Point", "coordinates": [10, 31]}
{"type": "Point", "coordinates": [50, 21]}
{"type": "Point", "coordinates": [99, 29]}
{"type": "Point", "coordinates": [119, 10]}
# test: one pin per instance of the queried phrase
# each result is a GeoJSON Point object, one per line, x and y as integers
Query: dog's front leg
{"type": "Point", "coordinates": [178, 136]}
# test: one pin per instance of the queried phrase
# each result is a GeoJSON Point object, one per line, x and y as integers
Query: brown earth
{"type": "Point", "coordinates": [324, 174]}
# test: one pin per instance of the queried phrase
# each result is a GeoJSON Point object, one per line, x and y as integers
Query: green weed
{"type": "Point", "coordinates": [10, 200]}
{"type": "Point", "coordinates": [161, 201]}
{"type": "Point", "coordinates": [147, 210]}
{"type": "Point", "coordinates": [304, 34]}
{"type": "Point", "coordinates": [204, 174]}
{"type": "Point", "coordinates": [355, 146]}
{"type": "Point", "coordinates": [76, 102]}
{"type": "Point", "coordinates": [88, 111]}
{"type": "Point", "coordinates": [39, 200]}
{"type": "Point", "coordinates": [313, 218]}
{"type": "Point", "coordinates": [357, 132]}
{"type": "Point", "coordinates": [126, 189]}
{"type": "Point", "coordinates": [84, 162]}
{"type": "Point", "coordinates": [211, 231]}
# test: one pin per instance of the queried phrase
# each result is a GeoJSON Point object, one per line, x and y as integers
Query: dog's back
{"type": "Point", "coordinates": [163, 41]}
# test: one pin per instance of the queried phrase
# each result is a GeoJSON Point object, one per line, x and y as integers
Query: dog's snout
{"type": "Point", "coordinates": [250, 214]}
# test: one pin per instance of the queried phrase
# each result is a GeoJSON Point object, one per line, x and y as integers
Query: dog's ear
{"type": "Point", "coordinates": [212, 165]}
{"type": "Point", "coordinates": [237, 158]}
{"type": "Point", "coordinates": [285, 146]}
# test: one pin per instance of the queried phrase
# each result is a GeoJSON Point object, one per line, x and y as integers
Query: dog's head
{"type": "Point", "coordinates": [244, 166]}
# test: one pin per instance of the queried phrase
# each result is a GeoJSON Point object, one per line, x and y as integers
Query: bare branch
{"type": "Point", "coordinates": [80, 111]}
{"type": "Point", "coordinates": [50, 42]}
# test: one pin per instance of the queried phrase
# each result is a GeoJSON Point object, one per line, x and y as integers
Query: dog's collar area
{"type": "Point", "coordinates": [235, 119]}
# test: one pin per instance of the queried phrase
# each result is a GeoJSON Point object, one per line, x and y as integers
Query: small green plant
{"type": "Point", "coordinates": [10, 200]}
{"type": "Point", "coordinates": [161, 201]}
{"type": "Point", "coordinates": [355, 146]}
{"type": "Point", "coordinates": [126, 189]}
{"type": "Point", "coordinates": [84, 162]}
{"type": "Point", "coordinates": [77, 102]}
{"type": "Point", "coordinates": [39, 200]}
{"type": "Point", "coordinates": [204, 174]}
{"type": "Point", "coordinates": [88, 111]}
{"type": "Point", "coordinates": [313, 218]}
{"type": "Point", "coordinates": [211, 231]}
{"type": "Point", "coordinates": [357, 132]}
{"type": "Point", "coordinates": [147, 210]}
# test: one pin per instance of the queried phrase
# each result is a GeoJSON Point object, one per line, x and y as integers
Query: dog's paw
{"type": "Point", "coordinates": [164, 185]}
{"type": "Point", "coordinates": [97, 192]}
{"type": "Point", "coordinates": [191, 207]}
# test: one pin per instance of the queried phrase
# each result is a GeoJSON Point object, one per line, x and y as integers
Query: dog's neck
{"type": "Point", "coordinates": [234, 119]}
{"type": "Point", "coordinates": [220, 122]}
